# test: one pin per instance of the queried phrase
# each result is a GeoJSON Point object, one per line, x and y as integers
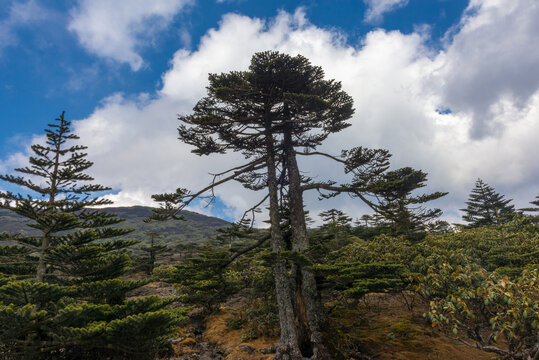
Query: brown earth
{"type": "Point", "coordinates": [382, 326]}
{"type": "Point", "coordinates": [218, 333]}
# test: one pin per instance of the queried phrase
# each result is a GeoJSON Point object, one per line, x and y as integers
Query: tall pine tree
{"type": "Point", "coordinates": [281, 109]}
{"type": "Point", "coordinates": [76, 306]}
{"type": "Point", "coordinates": [486, 207]}
{"type": "Point", "coordinates": [265, 113]}
{"type": "Point", "coordinates": [62, 200]}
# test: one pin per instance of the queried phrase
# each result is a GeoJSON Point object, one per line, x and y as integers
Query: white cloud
{"type": "Point", "coordinates": [398, 85]}
{"type": "Point", "coordinates": [118, 29]}
{"type": "Point", "coordinates": [491, 55]}
{"type": "Point", "coordinates": [20, 14]}
{"type": "Point", "coordinates": [377, 8]}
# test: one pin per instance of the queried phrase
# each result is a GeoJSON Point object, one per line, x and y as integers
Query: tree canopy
{"type": "Point", "coordinates": [486, 207]}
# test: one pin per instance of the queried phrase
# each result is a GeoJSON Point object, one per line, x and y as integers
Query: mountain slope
{"type": "Point", "coordinates": [196, 228]}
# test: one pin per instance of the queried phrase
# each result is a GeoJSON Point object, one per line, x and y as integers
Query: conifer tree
{"type": "Point", "coordinates": [365, 220]}
{"type": "Point", "coordinates": [202, 279]}
{"type": "Point", "coordinates": [535, 204]}
{"type": "Point", "coordinates": [405, 212]}
{"type": "Point", "coordinates": [368, 226]}
{"type": "Point", "coordinates": [76, 306]}
{"type": "Point", "coordinates": [486, 207]}
{"type": "Point", "coordinates": [333, 218]}
{"type": "Point", "coordinates": [280, 109]}
{"type": "Point", "coordinates": [62, 200]}
{"type": "Point", "coordinates": [438, 227]}
{"type": "Point", "coordinates": [152, 251]}
{"type": "Point", "coordinates": [336, 226]}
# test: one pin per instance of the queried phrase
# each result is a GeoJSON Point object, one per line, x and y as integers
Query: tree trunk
{"type": "Point", "coordinates": [309, 293]}
{"type": "Point", "coordinates": [288, 347]}
{"type": "Point", "coordinates": [300, 311]}
{"type": "Point", "coordinates": [41, 266]}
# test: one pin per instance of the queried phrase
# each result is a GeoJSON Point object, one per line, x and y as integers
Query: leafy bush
{"type": "Point", "coordinates": [489, 306]}
{"type": "Point", "coordinates": [483, 283]}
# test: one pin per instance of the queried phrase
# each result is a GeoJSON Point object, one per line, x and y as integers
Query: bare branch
{"type": "Point", "coordinates": [260, 241]}
{"type": "Point", "coordinates": [342, 161]}
{"type": "Point", "coordinates": [253, 209]}
{"type": "Point", "coordinates": [339, 189]}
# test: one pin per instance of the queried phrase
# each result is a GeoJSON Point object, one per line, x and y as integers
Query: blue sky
{"type": "Point", "coordinates": [448, 86]}
{"type": "Point", "coordinates": [44, 67]}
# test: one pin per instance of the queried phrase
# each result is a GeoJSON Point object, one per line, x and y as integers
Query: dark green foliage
{"type": "Point", "coordinates": [403, 211]}
{"type": "Point", "coordinates": [514, 245]}
{"type": "Point", "coordinates": [140, 333]}
{"type": "Point", "coordinates": [152, 251]}
{"type": "Point", "coordinates": [62, 207]}
{"type": "Point", "coordinates": [335, 221]}
{"type": "Point", "coordinates": [358, 279]}
{"type": "Point", "coordinates": [76, 308]}
{"type": "Point", "coordinates": [4, 279]}
{"type": "Point", "coordinates": [22, 331]}
{"type": "Point", "coordinates": [297, 90]}
{"type": "Point", "coordinates": [17, 260]}
{"type": "Point", "coordinates": [30, 292]}
{"type": "Point", "coordinates": [369, 226]}
{"type": "Point", "coordinates": [71, 329]}
{"type": "Point", "coordinates": [260, 314]}
{"type": "Point", "coordinates": [110, 291]}
{"type": "Point", "coordinates": [486, 207]}
{"type": "Point", "coordinates": [204, 280]}
{"type": "Point", "coordinates": [331, 236]}
{"type": "Point", "coordinates": [439, 227]}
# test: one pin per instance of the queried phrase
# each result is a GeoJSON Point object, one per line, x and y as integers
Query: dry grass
{"type": "Point", "coordinates": [383, 327]}
{"type": "Point", "coordinates": [229, 340]}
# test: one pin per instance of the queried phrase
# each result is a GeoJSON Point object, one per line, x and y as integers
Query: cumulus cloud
{"type": "Point", "coordinates": [377, 8]}
{"type": "Point", "coordinates": [20, 14]}
{"type": "Point", "coordinates": [399, 86]}
{"type": "Point", "coordinates": [118, 29]}
{"type": "Point", "coordinates": [491, 56]}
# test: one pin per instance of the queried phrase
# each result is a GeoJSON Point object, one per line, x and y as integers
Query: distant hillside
{"type": "Point", "coordinates": [196, 227]}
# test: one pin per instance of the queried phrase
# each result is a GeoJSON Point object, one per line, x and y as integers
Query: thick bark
{"type": "Point", "coordinates": [308, 291]}
{"type": "Point", "coordinates": [300, 311]}
{"type": "Point", "coordinates": [288, 347]}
